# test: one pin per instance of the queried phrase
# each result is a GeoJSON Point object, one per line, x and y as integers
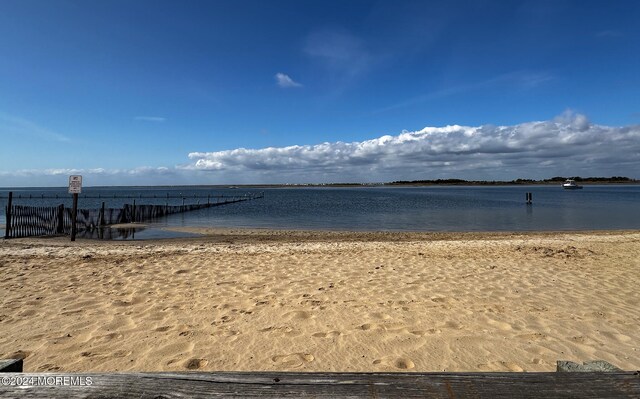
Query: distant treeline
{"type": "Point", "coordinates": [592, 179]}
{"type": "Point", "coordinates": [556, 179]}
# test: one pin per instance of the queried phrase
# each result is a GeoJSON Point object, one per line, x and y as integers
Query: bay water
{"type": "Point", "coordinates": [375, 208]}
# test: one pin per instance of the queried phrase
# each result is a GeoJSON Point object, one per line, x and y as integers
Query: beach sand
{"type": "Point", "coordinates": [320, 301]}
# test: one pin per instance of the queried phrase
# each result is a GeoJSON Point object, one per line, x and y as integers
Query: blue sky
{"type": "Point", "coordinates": [150, 92]}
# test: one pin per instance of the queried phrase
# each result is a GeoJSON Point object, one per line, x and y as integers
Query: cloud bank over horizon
{"type": "Point", "coordinates": [568, 145]}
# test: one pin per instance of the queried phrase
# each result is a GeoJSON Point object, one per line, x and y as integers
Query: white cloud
{"type": "Point", "coordinates": [159, 119]}
{"type": "Point", "coordinates": [569, 144]}
{"type": "Point", "coordinates": [285, 81]}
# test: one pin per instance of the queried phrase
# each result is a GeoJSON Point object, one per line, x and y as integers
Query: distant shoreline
{"type": "Point", "coordinates": [414, 183]}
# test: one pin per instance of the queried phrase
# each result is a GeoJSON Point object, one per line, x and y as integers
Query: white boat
{"type": "Point", "coordinates": [571, 184]}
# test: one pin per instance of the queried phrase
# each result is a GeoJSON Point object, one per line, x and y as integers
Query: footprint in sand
{"type": "Point", "coordinates": [453, 324]}
{"type": "Point", "coordinates": [49, 367]}
{"type": "Point", "coordinates": [298, 315]}
{"type": "Point", "coordinates": [133, 301]}
{"type": "Point", "coordinates": [532, 337]}
{"type": "Point", "coordinates": [163, 328]}
{"type": "Point", "coordinates": [196, 364]}
{"type": "Point", "coordinates": [622, 338]}
{"type": "Point", "coordinates": [329, 334]}
{"type": "Point", "coordinates": [400, 363]}
{"type": "Point", "coordinates": [368, 326]}
{"type": "Point", "coordinates": [229, 335]}
{"type": "Point", "coordinates": [283, 331]}
{"type": "Point", "coordinates": [223, 320]}
{"type": "Point", "coordinates": [500, 325]}
{"type": "Point", "coordinates": [109, 337]}
{"type": "Point", "coordinates": [294, 360]}
{"type": "Point", "coordinates": [181, 271]}
{"type": "Point", "coordinates": [422, 333]}
{"type": "Point", "coordinates": [121, 353]}
{"type": "Point", "coordinates": [393, 328]}
{"type": "Point", "coordinates": [20, 354]}
{"type": "Point", "coordinates": [381, 316]}
{"type": "Point", "coordinates": [29, 313]}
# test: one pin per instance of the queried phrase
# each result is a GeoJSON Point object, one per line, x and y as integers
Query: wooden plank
{"type": "Point", "coordinates": [10, 366]}
{"type": "Point", "coordinates": [331, 385]}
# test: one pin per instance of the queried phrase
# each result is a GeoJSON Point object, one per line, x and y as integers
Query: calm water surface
{"type": "Point", "coordinates": [384, 208]}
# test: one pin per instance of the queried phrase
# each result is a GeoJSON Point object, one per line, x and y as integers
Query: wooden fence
{"type": "Point", "coordinates": [30, 221]}
{"type": "Point", "coordinates": [25, 221]}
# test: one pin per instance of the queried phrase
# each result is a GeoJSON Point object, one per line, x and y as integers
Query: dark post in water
{"type": "Point", "coordinates": [529, 198]}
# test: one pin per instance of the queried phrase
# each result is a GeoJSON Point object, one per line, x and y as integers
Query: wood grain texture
{"type": "Point", "coordinates": [331, 385]}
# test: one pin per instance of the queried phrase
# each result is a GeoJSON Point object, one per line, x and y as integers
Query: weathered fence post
{"type": "Point", "coordinates": [133, 212]}
{"type": "Point", "coordinates": [7, 227]}
{"type": "Point", "coordinates": [74, 216]}
{"type": "Point", "coordinates": [101, 217]}
{"type": "Point", "coordinates": [60, 229]}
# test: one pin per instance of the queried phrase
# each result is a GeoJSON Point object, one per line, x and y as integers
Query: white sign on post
{"type": "Point", "coordinates": [75, 184]}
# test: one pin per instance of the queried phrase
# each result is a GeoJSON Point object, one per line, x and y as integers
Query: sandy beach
{"type": "Point", "coordinates": [323, 301]}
